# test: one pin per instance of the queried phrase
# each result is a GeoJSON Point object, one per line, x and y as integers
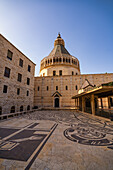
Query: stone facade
{"type": "Point", "coordinates": [10, 58]}
{"type": "Point", "coordinates": [59, 79]}
{"type": "Point", "coordinates": [53, 89]}
{"type": "Point", "coordinates": [46, 98]}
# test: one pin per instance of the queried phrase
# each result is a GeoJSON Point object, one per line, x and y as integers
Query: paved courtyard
{"type": "Point", "coordinates": [56, 140]}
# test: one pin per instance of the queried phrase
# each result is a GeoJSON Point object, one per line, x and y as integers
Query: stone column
{"type": "Point", "coordinates": [75, 103]}
{"type": "Point", "coordinates": [92, 104]}
{"type": "Point", "coordinates": [83, 104]}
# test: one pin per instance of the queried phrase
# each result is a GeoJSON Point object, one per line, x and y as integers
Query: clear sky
{"type": "Point", "coordinates": [85, 25]}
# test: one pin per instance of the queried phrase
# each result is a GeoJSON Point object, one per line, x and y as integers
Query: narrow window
{"type": "Point", "coordinates": [63, 59]}
{"type": "Point", "coordinates": [76, 87]}
{"type": "Point", "coordinates": [54, 73]}
{"type": "Point", "coordinates": [28, 107]}
{"type": "Point", "coordinates": [72, 73]}
{"type": "Point", "coordinates": [29, 68]}
{"type": "Point", "coordinates": [56, 87]}
{"type": "Point", "coordinates": [47, 88]}
{"type": "Point", "coordinates": [27, 92]}
{"type": "Point", "coordinates": [18, 91]}
{"type": "Point", "coordinates": [21, 62]}
{"type": "Point", "coordinates": [0, 110]}
{"type": "Point", "coordinates": [76, 73]}
{"type": "Point", "coordinates": [9, 55]}
{"type": "Point", "coordinates": [7, 72]}
{"type": "Point", "coordinates": [21, 108]}
{"type": "Point", "coordinates": [66, 87]}
{"type": "Point", "coordinates": [60, 72]}
{"type": "Point", "coordinates": [5, 89]}
{"type": "Point", "coordinates": [12, 109]}
{"type": "Point", "coordinates": [28, 81]}
{"type": "Point", "coordinates": [38, 88]}
{"type": "Point", "coordinates": [19, 77]}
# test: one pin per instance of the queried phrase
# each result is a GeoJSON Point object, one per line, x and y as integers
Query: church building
{"type": "Point", "coordinates": [59, 79]}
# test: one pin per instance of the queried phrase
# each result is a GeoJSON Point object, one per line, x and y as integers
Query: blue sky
{"type": "Point", "coordinates": [85, 25]}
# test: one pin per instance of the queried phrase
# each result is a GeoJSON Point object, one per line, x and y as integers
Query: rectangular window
{"type": "Point", "coordinates": [56, 87]}
{"type": "Point", "coordinates": [60, 72]}
{"type": "Point", "coordinates": [18, 91]}
{"type": "Point", "coordinates": [9, 55]}
{"type": "Point", "coordinates": [29, 68]}
{"type": "Point", "coordinates": [47, 88]}
{"type": "Point", "coordinates": [38, 88]}
{"type": "Point", "coordinates": [7, 72]}
{"type": "Point", "coordinates": [28, 81]}
{"type": "Point", "coordinates": [21, 62]}
{"type": "Point", "coordinates": [27, 93]}
{"type": "Point", "coordinates": [54, 73]}
{"type": "Point", "coordinates": [19, 77]}
{"type": "Point", "coordinates": [5, 89]}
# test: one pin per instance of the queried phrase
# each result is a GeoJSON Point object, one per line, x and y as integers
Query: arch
{"type": "Point", "coordinates": [111, 102]}
{"type": "Point", "coordinates": [21, 108]}
{"type": "Point", "coordinates": [28, 107]}
{"type": "Point", "coordinates": [12, 109]}
{"type": "Point", "coordinates": [53, 60]}
{"type": "Point", "coordinates": [0, 110]}
{"type": "Point", "coordinates": [60, 59]}
{"type": "Point", "coordinates": [56, 100]}
{"type": "Point", "coordinates": [57, 59]}
{"type": "Point", "coordinates": [66, 87]}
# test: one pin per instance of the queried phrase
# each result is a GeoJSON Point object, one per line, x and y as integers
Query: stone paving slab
{"type": "Point", "coordinates": [56, 140]}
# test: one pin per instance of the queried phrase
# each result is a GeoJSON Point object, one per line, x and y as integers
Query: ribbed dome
{"type": "Point", "coordinates": [59, 59]}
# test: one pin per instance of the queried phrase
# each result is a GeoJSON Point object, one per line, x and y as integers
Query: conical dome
{"type": "Point", "coordinates": [59, 60]}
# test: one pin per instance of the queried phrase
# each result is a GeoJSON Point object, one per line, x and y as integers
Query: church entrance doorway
{"type": "Point", "coordinates": [57, 102]}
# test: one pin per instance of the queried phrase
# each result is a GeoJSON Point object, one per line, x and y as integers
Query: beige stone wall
{"type": "Point", "coordinates": [43, 98]}
{"type": "Point", "coordinates": [66, 70]}
{"type": "Point", "coordinates": [9, 99]}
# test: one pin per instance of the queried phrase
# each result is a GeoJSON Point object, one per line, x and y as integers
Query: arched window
{"type": "Point", "coordinates": [56, 59]}
{"type": "Point", "coordinates": [47, 88]}
{"type": "Point", "coordinates": [76, 87]}
{"type": "Point", "coordinates": [69, 60]}
{"type": "Point", "coordinates": [38, 88]}
{"type": "Point", "coordinates": [66, 60]}
{"type": "Point", "coordinates": [28, 107]}
{"type": "Point", "coordinates": [66, 87]}
{"type": "Point", "coordinates": [60, 59]}
{"type": "Point", "coordinates": [56, 87]}
{"type": "Point", "coordinates": [21, 108]}
{"type": "Point", "coordinates": [63, 59]}
{"type": "Point", "coordinates": [0, 110]}
{"type": "Point", "coordinates": [53, 60]}
{"type": "Point", "coordinates": [48, 61]}
{"type": "Point", "coordinates": [111, 102]}
{"type": "Point", "coordinates": [12, 109]}
{"type": "Point", "coordinates": [72, 72]}
{"type": "Point", "coordinates": [72, 60]}
{"type": "Point", "coordinates": [76, 73]}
